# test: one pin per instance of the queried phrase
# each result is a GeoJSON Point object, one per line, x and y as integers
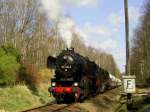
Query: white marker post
{"type": "Point", "coordinates": [129, 89]}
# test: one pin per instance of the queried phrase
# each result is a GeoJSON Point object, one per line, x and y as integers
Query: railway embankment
{"type": "Point", "coordinates": [111, 101]}
{"type": "Point", "coordinates": [14, 99]}
{"type": "Point", "coordinates": [20, 98]}
{"type": "Point", "coordinates": [140, 102]}
{"type": "Point", "coordinates": [105, 102]}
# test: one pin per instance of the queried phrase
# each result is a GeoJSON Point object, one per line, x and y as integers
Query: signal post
{"type": "Point", "coordinates": [129, 89]}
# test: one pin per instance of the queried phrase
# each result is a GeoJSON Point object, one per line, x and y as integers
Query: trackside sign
{"type": "Point", "coordinates": [129, 84]}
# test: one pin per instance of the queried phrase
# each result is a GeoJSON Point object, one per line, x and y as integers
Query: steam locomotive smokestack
{"type": "Point", "coordinates": [70, 49]}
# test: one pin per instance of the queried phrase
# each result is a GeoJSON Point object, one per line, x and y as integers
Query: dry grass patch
{"type": "Point", "coordinates": [102, 103]}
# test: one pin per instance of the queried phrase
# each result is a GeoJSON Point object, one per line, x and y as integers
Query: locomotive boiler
{"type": "Point", "coordinates": [76, 77]}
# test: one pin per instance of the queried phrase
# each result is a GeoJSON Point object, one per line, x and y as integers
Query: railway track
{"type": "Point", "coordinates": [54, 107]}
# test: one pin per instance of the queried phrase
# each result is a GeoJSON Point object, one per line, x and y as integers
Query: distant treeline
{"type": "Point", "coordinates": [140, 57]}
{"type": "Point", "coordinates": [24, 28]}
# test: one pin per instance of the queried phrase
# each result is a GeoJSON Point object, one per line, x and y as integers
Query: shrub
{"type": "Point", "coordinates": [9, 66]}
{"type": "Point", "coordinates": [46, 75]}
{"type": "Point", "coordinates": [30, 76]}
{"type": "Point", "coordinates": [9, 50]}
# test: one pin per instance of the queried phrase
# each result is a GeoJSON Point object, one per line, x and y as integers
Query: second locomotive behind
{"type": "Point", "coordinates": [76, 76]}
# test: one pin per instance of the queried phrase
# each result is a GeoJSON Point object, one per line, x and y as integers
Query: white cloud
{"type": "Point", "coordinates": [117, 18]}
{"type": "Point", "coordinates": [97, 36]}
{"type": "Point", "coordinates": [88, 30]}
{"type": "Point", "coordinates": [106, 45]}
{"type": "Point", "coordinates": [55, 8]}
{"type": "Point", "coordinates": [81, 2]}
{"type": "Point", "coordinates": [97, 29]}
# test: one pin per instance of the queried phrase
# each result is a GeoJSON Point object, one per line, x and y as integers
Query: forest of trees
{"type": "Point", "coordinates": [140, 57]}
{"type": "Point", "coordinates": [22, 26]}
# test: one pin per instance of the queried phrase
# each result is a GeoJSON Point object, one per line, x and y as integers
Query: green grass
{"type": "Point", "coordinates": [13, 99]}
{"type": "Point", "coordinates": [44, 94]}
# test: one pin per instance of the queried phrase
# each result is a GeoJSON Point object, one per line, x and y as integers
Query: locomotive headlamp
{"type": "Point", "coordinates": [53, 84]}
{"type": "Point", "coordinates": [75, 84]}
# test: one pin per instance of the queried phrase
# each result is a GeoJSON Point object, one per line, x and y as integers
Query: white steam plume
{"type": "Point", "coordinates": [54, 11]}
{"type": "Point", "coordinates": [52, 8]}
{"type": "Point", "coordinates": [66, 27]}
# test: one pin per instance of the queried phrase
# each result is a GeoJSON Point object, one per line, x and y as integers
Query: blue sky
{"type": "Point", "coordinates": [108, 16]}
{"type": "Point", "coordinates": [100, 23]}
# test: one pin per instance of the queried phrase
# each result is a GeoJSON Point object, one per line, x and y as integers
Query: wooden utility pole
{"type": "Point", "coordinates": [127, 37]}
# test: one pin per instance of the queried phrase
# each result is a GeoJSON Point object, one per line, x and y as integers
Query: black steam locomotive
{"type": "Point", "coordinates": [76, 77]}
